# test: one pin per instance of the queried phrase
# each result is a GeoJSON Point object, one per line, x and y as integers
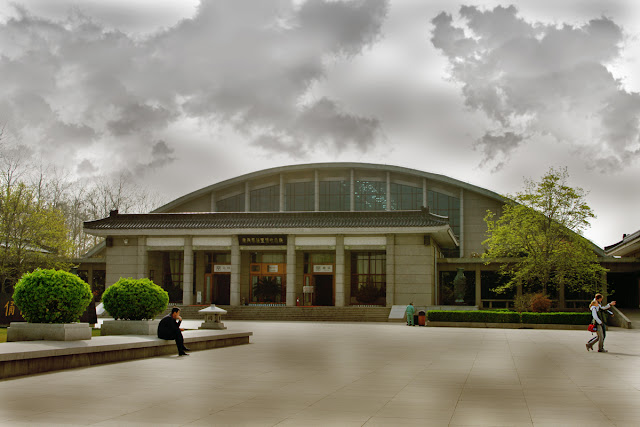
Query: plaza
{"type": "Point", "coordinates": [348, 374]}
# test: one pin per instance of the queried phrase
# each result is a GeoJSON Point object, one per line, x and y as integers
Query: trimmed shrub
{"type": "Point", "coordinates": [557, 318]}
{"type": "Point", "coordinates": [51, 296]}
{"type": "Point", "coordinates": [522, 303]}
{"type": "Point", "coordinates": [540, 303]}
{"type": "Point", "coordinates": [135, 299]}
{"type": "Point", "coordinates": [485, 316]}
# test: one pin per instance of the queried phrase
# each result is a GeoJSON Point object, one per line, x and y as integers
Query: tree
{"type": "Point", "coordinates": [540, 231]}
{"type": "Point", "coordinates": [32, 234]}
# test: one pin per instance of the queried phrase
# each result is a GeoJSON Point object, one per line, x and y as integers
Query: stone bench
{"type": "Point", "coordinates": [31, 357]}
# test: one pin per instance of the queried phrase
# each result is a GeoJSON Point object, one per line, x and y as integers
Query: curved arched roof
{"type": "Point", "coordinates": [328, 166]}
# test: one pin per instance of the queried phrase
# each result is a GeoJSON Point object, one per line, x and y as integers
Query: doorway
{"type": "Point", "coordinates": [324, 289]}
{"type": "Point", "coordinates": [219, 288]}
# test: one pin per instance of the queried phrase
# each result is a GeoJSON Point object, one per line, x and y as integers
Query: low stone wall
{"type": "Point", "coordinates": [26, 358]}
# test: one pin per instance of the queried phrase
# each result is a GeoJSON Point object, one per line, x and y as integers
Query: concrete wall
{"type": "Point", "coordinates": [201, 204]}
{"type": "Point", "coordinates": [122, 260]}
{"type": "Point", "coordinates": [475, 229]}
{"type": "Point", "coordinates": [414, 273]}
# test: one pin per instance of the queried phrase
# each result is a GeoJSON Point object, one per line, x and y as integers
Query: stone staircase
{"type": "Point", "coordinates": [293, 314]}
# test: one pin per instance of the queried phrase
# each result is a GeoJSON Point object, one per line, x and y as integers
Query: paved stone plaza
{"type": "Point", "coordinates": [319, 374]}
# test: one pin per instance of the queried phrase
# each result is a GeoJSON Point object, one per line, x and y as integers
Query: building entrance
{"type": "Point", "coordinates": [324, 289]}
{"type": "Point", "coordinates": [219, 288]}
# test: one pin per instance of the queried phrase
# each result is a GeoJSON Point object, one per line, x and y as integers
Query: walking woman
{"type": "Point", "coordinates": [598, 318]}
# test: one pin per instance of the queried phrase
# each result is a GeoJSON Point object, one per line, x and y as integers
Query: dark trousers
{"type": "Point", "coordinates": [179, 340]}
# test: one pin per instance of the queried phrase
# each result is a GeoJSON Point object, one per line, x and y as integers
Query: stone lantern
{"type": "Point", "coordinates": [212, 317]}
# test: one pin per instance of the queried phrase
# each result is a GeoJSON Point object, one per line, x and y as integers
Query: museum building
{"type": "Point", "coordinates": [326, 234]}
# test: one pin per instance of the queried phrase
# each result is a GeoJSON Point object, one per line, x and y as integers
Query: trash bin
{"type": "Point", "coordinates": [422, 318]}
{"type": "Point", "coordinates": [415, 319]}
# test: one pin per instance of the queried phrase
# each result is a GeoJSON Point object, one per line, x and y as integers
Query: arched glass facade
{"type": "Point", "coordinates": [334, 196]}
{"type": "Point", "coordinates": [231, 204]}
{"type": "Point", "coordinates": [299, 196]}
{"type": "Point", "coordinates": [405, 197]}
{"type": "Point", "coordinates": [370, 196]}
{"type": "Point", "coordinates": [265, 199]}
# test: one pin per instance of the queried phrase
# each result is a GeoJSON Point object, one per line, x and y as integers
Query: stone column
{"type": "Point", "coordinates": [462, 223]}
{"type": "Point", "coordinates": [316, 191]}
{"type": "Point", "coordinates": [187, 272]}
{"type": "Point", "coordinates": [235, 272]}
{"type": "Point", "coordinates": [352, 191]}
{"type": "Point", "coordinates": [142, 263]}
{"type": "Point", "coordinates": [478, 287]}
{"type": "Point", "coordinates": [247, 197]}
{"type": "Point", "coordinates": [391, 269]}
{"type": "Point", "coordinates": [281, 193]}
{"type": "Point", "coordinates": [291, 270]}
{"type": "Point", "coordinates": [425, 194]}
{"type": "Point", "coordinates": [388, 205]}
{"type": "Point", "coordinates": [340, 297]}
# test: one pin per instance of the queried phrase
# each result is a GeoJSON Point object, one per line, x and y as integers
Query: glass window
{"type": "Point", "coordinates": [334, 196]}
{"type": "Point", "coordinates": [299, 196]}
{"type": "Point", "coordinates": [368, 278]}
{"type": "Point", "coordinates": [172, 272]}
{"type": "Point", "coordinates": [370, 196]}
{"type": "Point", "coordinates": [405, 197]}
{"type": "Point", "coordinates": [269, 257]}
{"type": "Point", "coordinates": [441, 204]}
{"type": "Point", "coordinates": [231, 204]}
{"type": "Point", "coordinates": [266, 199]}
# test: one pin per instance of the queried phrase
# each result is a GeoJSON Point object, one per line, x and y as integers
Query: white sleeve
{"type": "Point", "coordinates": [594, 310]}
{"type": "Point", "coordinates": [605, 307]}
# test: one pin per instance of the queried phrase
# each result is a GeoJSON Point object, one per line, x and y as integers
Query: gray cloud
{"type": "Point", "coordinates": [532, 78]}
{"type": "Point", "coordinates": [498, 148]}
{"type": "Point", "coordinates": [85, 167]}
{"type": "Point", "coordinates": [240, 62]}
{"type": "Point", "coordinates": [323, 122]}
{"type": "Point", "coordinates": [161, 155]}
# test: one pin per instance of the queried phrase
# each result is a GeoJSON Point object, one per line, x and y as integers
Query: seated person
{"type": "Point", "coordinates": [169, 329]}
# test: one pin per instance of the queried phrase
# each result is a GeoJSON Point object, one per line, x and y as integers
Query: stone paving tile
{"type": "Point", "coordinates": [338, 374]}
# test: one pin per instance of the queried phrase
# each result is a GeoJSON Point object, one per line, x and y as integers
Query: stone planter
{"type": "Point", "coordinates": [129, 327]}
{"type": "Point", "coordinates": [24, 331]}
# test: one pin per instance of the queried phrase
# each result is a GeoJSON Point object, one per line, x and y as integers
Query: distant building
{"type": "Point", "coordinates": [624, 274]}
{"type": "Point", "coordinates": [328, 234]}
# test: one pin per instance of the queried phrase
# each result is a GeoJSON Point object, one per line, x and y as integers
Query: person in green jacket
{"type": "Point", "coordinates": [410, 312]}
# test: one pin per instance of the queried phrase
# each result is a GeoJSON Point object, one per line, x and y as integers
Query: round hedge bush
{"type": "Point", "coordinates": [51, 296]}
{"type": "Point", "coordinates": [135, 299]}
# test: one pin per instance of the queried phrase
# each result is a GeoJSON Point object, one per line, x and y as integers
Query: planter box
{"type": "Point", "coordinates": [129, 327]}
{"type": "Point", "coordinates": [23, 331]}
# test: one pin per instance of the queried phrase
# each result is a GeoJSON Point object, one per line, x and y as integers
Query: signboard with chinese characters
{"type": "Point", "coordinates": [272, 268]}
{"type": "Point", "coordinates": [222, 268]}
{"type": "Point", "coordinates": [10, 313]}
{"type": "Point", "coordinates": [323, 268]}
{"type": "Point", "coordinates": [261, 240]}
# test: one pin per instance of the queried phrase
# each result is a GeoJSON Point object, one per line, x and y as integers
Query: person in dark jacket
{"type": "Point", "coordinates": [169, 329]}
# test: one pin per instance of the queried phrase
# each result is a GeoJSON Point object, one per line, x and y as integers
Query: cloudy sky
{"type": "Point", "coordinates": [185, 93]}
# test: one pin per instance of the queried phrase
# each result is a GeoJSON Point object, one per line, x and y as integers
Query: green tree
{"type": "Point", "coordinates": [540, 234]}
{"type": "Point", "coordinates": [32, 234]}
